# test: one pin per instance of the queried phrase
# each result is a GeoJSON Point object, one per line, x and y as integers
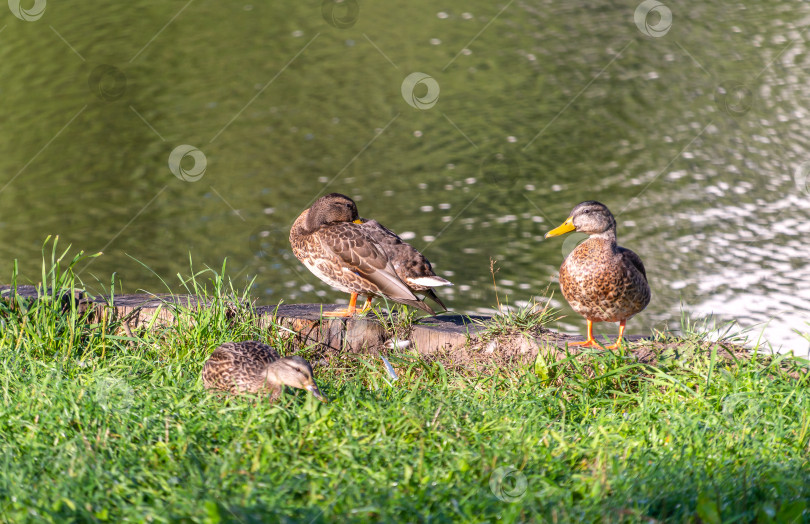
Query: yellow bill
{"type": "Point", "coordinates": [566, 227]}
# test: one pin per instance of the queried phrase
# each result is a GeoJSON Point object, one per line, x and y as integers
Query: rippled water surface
{"type": "Point", "coordinates": [694, 130]}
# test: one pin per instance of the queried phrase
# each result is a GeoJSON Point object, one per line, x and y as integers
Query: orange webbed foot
{"type": "Point", "coordinates": [367, 305]}
{"type": "Point", "coordinates": [349, 311]}
{"type": "Point", "coordinates": [590, 343]}
{"type": "Point", "coordinates": [619, 340]}
{"type": "Point", "coordinates": [341, 313]}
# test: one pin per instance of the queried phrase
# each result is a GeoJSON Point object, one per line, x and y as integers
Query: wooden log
{"type": "Point", "coordinates": [445, 332]}
{"type": "Point", "coordinates": [356, 334]}
{"type": "Point", "coordinates": [28, 294]}
{"type": "Point", "coordinates": [305, 323]}
{"type": "Point", "coordinates": [141, 310]}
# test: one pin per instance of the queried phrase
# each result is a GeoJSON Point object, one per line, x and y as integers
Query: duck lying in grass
{"type": "Point", "coordinates": [253, 367]}
{"type": "Point", "coordinates": [360, 256]}
{"type": "Point", "coordinates": [602, 281]}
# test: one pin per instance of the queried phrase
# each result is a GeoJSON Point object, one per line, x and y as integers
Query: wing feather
{"type": "Point", "coordinates": [359, 253]}
{"type": "Point", "coordinates": [634, 259]}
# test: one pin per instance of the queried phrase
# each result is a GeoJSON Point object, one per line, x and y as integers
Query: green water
{"type": "Point", "coordinates": [696, 139]}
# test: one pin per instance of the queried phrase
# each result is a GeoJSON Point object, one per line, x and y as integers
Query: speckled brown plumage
{"type": "Point", "coordinates": [253, 367]}
{"type": "Point", "coordinates": [604, 282]}
{"type": "Point", "coordinates": [601, 280]}
{"type": "Point", "coordinates": [411, 266]}
{"type": "Point", "coordinates": [345, 254]}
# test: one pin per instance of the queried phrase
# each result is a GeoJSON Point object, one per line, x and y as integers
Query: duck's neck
{"type": "Point", "coordinates": [271, 374]}
{"type": "Point", "coordinates": [608, 237]}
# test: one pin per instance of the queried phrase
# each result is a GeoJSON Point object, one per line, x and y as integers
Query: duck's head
{"type": "Point", "coordinates": [591, 218]}
{"type": "Point", "coordinates": [331, 208]}
{"type": "Point", "coordinates": [295, 372]}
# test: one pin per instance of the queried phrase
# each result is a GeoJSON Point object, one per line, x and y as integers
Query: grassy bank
{"type": "Point", "coordinates": [96, 426]}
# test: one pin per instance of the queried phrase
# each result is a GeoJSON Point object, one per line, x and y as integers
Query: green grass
{"type": "Point", "coordinates": [525, 319]}
{"type": "Point", "coordinates": [94, 429]}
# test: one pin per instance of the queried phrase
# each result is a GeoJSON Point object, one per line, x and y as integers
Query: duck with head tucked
{"type": "Point", "coordinates": [253, 367]}
{"type": "Point", "coordinates": [360, 256]}
{"type": "Point", "coordinates": [601, 280]}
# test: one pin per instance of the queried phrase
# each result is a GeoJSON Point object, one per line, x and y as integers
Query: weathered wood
{"type": "Point", "coordinates": [443, 332]}
{"type": "Point", "coordinates": [137, 310]}
{"type": "Point", "coordinates": [141, 310]}
{"type": "Point", "coordinates": [28, 293]}
{"type": "Point", "coordinates": [354, 334]}
{"type": "Point", "coordinates": [304, 322]}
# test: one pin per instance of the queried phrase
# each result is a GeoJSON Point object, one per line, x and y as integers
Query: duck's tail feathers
{"type": "Point", "coordinates": [434, 297]}
{"type": "Point", "coordinates": [433, 281]}
{"type": "Point", "coordinates": [418, 304]}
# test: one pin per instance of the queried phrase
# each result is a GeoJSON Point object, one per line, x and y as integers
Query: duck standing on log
{"type": "Point", "coordinates": [601, 280]}
{"type": "Point", "coordinates": [360, 256]}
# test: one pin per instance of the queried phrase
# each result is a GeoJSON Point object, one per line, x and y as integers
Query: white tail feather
{"type": "Point", "coordinates": [430, 281]}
